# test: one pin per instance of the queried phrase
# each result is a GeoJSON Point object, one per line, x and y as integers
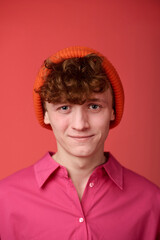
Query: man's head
{"type": "Point", "coordinates": [73, 75]}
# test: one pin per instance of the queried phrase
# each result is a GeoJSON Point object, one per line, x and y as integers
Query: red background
{"type": "Point", "coordinates": [126, 32]}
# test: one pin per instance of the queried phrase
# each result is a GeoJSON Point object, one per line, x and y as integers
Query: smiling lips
{"type": "Point", "coordinates": [81, 137]}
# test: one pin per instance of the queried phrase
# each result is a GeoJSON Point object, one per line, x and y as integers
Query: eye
{"type": "Point", "coordinates": [95, 107]}
{"type": "Point", "coordinates": [64, 109]}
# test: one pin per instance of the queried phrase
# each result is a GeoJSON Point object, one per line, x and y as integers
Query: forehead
{"type": "Point", "coordinates": [105, 97]}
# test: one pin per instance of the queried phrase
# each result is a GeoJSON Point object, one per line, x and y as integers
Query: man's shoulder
{"type": "Point", "coordinates": [140, 187]}
{"type": "Point", "coordinates": [26, 178]}
{"type": "Point", "coordinates": [21, 179]}
{"type": "Point", "coordinates": [130, 180]}
{"type": "Point", "coordinates": [138, 180]}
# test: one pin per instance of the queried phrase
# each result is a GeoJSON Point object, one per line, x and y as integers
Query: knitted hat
{"type": "Point", "coordinates": [73, 52]}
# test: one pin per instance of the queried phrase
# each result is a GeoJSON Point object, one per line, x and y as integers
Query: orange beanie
{"type": "Point", "coordinates": [73, 52]}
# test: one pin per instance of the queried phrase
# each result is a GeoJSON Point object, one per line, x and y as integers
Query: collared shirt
{"type": "Point", "coordinates": [41, 203]}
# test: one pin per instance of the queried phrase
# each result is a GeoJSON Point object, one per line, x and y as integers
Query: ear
{"type": "Point", "coordinates": [112, 115]}
{"type": "Point", "coordinates": [46, 118]}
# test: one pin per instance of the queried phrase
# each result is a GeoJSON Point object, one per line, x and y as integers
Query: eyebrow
{"type": "Point", "coordinates": [96, 100]}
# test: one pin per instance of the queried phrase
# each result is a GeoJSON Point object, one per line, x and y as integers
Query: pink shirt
{"type": "Point", "coordinates": [41, 203]}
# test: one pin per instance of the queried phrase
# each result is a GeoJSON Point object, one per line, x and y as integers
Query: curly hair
{"type": "Point", "coordinates": [73, 80]}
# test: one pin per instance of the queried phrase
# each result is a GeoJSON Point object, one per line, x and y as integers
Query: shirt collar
{"type": "Point", "coordinates": [46, 166]}
{"type": "Point", "coordinates": [114, 170]}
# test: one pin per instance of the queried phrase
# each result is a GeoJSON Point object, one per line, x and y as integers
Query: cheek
{"type": "Point", "coordinates": [59, 124]}
{"type": "Point", "coordinates": [102, 122]}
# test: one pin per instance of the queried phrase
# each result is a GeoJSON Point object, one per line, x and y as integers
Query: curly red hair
{"type": "Point", "coordinates": [73, 80]}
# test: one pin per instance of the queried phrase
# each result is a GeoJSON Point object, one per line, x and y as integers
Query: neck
{"type": "Point", "coordinates": [79, 168]}
{"type": "Point", "coordinates": [79, 163]}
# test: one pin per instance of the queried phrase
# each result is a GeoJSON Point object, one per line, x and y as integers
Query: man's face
{"type": "Point", "coordinates": [81, 130]}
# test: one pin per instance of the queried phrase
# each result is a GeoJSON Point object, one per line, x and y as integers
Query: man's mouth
{"type": "Point", "coordinates": [77, 137]}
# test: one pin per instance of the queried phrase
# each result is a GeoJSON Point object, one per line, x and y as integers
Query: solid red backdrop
{"type": "Point", "coordinates": [126, 32]}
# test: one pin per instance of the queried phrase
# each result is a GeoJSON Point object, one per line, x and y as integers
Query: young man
{"type": "Point", "coordinates": [79, 192]}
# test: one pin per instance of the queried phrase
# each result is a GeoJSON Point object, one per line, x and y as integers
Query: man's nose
{"type": "Point", "coordinates": [79, 119]}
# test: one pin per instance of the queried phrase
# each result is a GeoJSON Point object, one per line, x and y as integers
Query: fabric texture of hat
{"type": "Point", "coordinates": [73, 52]}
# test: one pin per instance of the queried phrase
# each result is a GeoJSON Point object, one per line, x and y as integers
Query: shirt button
{"type": "Point", "coordinates": [81, 220]}
{"type": "Point", "coordinates": [91, 184]}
